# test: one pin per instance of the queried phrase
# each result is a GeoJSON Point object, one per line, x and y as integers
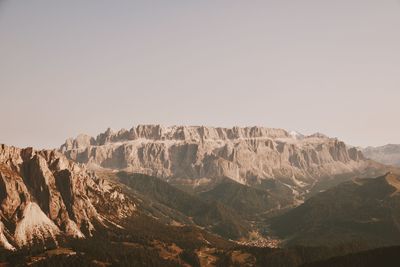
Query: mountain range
{"type": "Point", "coordinates": [195, 196]}
{"type": "Point", "coordinates": [196, 158]}
{"type": "Point", "coordinates": [246, 155]}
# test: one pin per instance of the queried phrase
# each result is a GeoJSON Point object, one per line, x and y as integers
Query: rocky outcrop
{"type": "Point", "coordinates": [44, 196]}
{"type": "Point", "coordinates": [388, 154]}
{"type": "Point", "coordinates": [247, 155]}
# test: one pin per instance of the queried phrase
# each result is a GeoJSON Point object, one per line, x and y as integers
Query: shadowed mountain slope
{"type": "Point", "coordinates": [213, 215]}
{"type": "Point", "coordinates": [366, 210]}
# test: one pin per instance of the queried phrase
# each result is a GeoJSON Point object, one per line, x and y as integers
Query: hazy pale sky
{"type": "Point", "coordinates": [70, 67]}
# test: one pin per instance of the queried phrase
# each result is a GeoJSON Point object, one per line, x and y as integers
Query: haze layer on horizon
{"type": "Point", "coordinates": [70, 67]}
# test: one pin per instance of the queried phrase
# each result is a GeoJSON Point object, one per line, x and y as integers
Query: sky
{"type": "Point", "coordinates": [71, 67]}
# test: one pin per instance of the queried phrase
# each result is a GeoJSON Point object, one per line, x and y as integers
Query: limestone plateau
{"type": "Point", "coordinates": [45, 197]}
{"type": "Point", "coordinates": [198, 155]}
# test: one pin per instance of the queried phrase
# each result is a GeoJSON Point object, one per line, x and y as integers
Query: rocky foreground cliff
{"type": "Point", "coordinates": [197, 154]}
{"type": "Point", "coordinates": [45, 198]}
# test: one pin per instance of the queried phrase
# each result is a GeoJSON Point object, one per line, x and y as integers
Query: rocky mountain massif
{"type": "Point", "coordinates": [388, 154]}
{"type": "Point", "coordinates": [45, 197]}
{"type": "Point", "coordinates": [194, 156]}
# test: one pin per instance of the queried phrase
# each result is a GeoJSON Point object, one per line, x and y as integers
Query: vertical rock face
{"type": "Point", "coordinates": [247, 155]}
{"type": "Point", "coordinates": [43, 195]}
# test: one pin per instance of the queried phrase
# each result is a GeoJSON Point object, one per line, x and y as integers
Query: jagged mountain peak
{"type": "Point", "coordinates": [159, 132]}
{"type": "Point", "coordinates": [44, 195]}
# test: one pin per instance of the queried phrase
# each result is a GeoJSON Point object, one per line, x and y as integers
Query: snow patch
{"type": "Point", "coordinates": [34, 225]}
{"type": "Point", "coordinates": [296, 135]}
{"type": "Point", "coordinates": [111, 222]}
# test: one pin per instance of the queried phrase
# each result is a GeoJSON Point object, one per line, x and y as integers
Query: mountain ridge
{"type": "Point", "coordinates": [196, 155]}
